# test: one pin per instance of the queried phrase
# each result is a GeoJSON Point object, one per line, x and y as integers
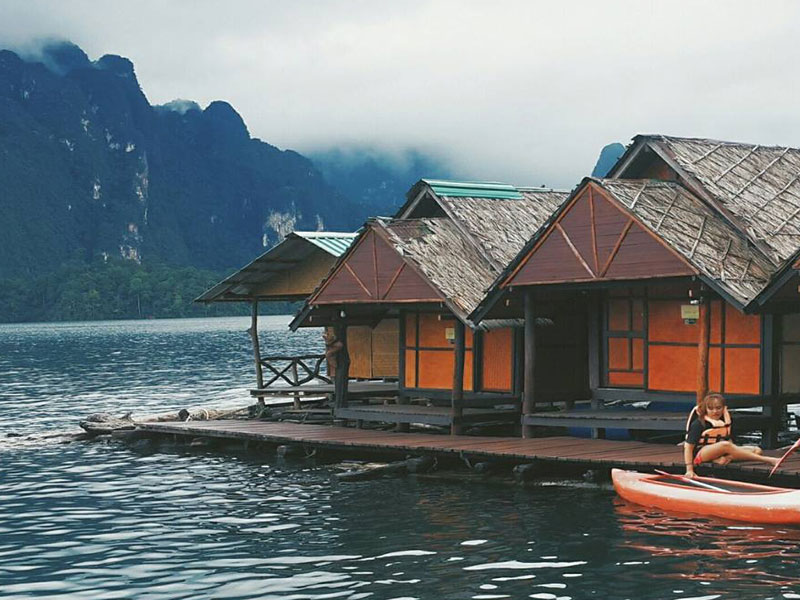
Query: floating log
{"type": "Point", "coordinates": [106, 423]}
{"type": "Point", "coordinates": [374, 471]}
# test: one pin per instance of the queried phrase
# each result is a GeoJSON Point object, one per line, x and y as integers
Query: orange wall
{"type": "Point", "coordinates": [498, 353]}
{"type": "Point", "coordinates": [673, 348]}
{"type": "Point", "coordinates": [435, 353]}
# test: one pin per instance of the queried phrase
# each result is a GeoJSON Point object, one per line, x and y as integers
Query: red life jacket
{"type": "Point", "coordinates": [719, 430]}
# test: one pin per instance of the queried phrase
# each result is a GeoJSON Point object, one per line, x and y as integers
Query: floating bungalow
{"type": "Point", "coordinates": [681, 267]}
{"type": "Point", "coordinates": [426, 269]}
{"type": "Point", "coordinates": [612, 307]}
{"type": "Point", "coordinates": [615, 306]}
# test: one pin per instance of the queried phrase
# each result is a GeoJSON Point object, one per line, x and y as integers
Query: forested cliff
{"type": "Point", "coordinates": [92, 175]}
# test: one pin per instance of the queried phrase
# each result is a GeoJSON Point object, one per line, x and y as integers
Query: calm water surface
{"type": "Point", "coordinates": [99, 520]}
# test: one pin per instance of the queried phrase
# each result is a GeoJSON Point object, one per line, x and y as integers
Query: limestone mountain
{"type": "Point", "coordinates": [609, 156]}
{"type": "Point", "coordinates": [89, 168]}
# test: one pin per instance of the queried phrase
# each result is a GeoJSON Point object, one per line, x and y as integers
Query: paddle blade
{"type": "Point", "coordinates": [794, 447]}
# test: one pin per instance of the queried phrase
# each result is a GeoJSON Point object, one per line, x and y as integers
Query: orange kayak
{"type": "Point", "coordinates": [728, 499]}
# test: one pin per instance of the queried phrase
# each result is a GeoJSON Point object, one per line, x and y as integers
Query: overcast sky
{"type": "Point", "coordinates": [526, 92]}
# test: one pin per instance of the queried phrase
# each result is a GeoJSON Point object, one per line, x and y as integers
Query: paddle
{"type": "Point", "coordinates": [708, 486]}
{"type": "Point", "coordinates": [794, 447]}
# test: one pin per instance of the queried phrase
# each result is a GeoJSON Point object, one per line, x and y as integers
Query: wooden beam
{"type": "Point", "coordinates": [528, 393]}
{"type": "Point", "coordinates": [342, 367]}
{"type": "Point", "coordinates": [593, 308]}
{"type": "Point", "coordinates": [702, 349]}
{"type": "Point", "coordinates": [253, 331]}
{"type": "Point", "coordinates": [772, 409]}
{"type": "Point", "coordinates": [457, 397]}
{"type": "Point", "coordinates": [594, 352]}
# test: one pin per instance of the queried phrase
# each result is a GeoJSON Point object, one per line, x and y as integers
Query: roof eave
{"type": "Point", "coordinates": [496, 291]}
{"type": "Point", "coordinates": [413, 197]}
{"type": "Point", "coordinates": [633, 150]}
{"type": "Point", "coordinates": [781, 277]}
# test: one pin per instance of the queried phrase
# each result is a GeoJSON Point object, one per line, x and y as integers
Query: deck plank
{"type": "Point", "coordinates": [558, 448]}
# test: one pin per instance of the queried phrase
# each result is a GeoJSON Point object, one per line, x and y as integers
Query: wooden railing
{"type": "Point", "coordinates": [295, 370]}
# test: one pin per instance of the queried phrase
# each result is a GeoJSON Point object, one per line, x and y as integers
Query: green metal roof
{"type": "Point", "coordinates": [474, 189]}
{"type": "Point", "coordinates": [333, 243]}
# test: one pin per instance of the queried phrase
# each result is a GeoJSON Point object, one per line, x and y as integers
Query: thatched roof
{"type": "Point", "coordinates": [463, 252]}
{"type": "Point", "coordinates": [448, 260]}
{"type": "Point", "coordinates": [501, 227]}
{"type": "Point", "coordinates": [480, 231]}
{"type": "Point", "coordinates": [460, 235]}
{"type": "Point", "coordinates": [698, 233]}
{"type": "Point", "coordinates": [758, 185]}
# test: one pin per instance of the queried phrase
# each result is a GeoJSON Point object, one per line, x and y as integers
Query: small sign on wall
{"type": "Point", "coordinates": [450, 334]}
{"type": "Point", "coordinates": [690, 313]}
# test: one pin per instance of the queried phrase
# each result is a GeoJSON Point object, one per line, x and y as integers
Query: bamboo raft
{"type": "Point", "coordinates": [591, 453]}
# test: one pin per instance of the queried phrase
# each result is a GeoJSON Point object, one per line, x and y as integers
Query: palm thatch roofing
{"type": "Point", "coordinates": [721, 254]}
{"type": "Point", "coordinates": [501, 227]}
{"type": "Point", "coordinates": [245, 284]}
{"type": "Point", "coordinates": [461, 241]}
{"type": "Point", "coordinates": [449, 261]}
{"type": "Point", "coordinates": [733, 212]}
{"type": "Point", "coordinates": [758, 187]}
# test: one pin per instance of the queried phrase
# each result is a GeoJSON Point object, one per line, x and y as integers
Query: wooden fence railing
{"type": "Point", "coordinates": [295, 370]}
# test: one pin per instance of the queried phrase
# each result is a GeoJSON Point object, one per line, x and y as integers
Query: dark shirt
{"type": "Point", "coordinates": [696, 429]}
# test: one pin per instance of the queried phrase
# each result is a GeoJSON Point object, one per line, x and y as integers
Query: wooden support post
{"type": "Point", "coordinates": [593, 346]}
{"type": "Point", "coordinates": [529, 376]}
{"type": "Point", "coordinates": [342, 367]}
{"type": "Point", "coordinates": [594, 308]}
{"type": "Point", "coordinates": [457, 397]}
{"type": "Point", "coordinates": [772, 408]}
{"type": "Point", "coordinates": [702, 351]}
{"type": "Point", "coordinates": [256, 349]}
{"type": "Point", "coordinates": [295, 380]}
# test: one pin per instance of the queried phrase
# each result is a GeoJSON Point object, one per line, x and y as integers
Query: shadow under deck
{"type": "Point", "coordinates": [594, 453]}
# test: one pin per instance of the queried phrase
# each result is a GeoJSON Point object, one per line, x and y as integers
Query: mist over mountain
{"type": "Point", "coordinates": [90, 169]}
{"type": "Point", "coordinates": [375, 179]}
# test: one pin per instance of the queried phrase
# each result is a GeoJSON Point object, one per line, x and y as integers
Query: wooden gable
{"type": "Point", "coordinates": [373, 271]}
{"type": "Point", "coordinates": [596, 239]}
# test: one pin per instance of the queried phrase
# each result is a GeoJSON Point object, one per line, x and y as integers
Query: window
{"type": "Point", "coordinates": [623, 336]}
{"type": "Point", "coordinates": [429, 355]}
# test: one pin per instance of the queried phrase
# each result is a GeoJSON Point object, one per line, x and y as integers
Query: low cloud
{"type": "Point", "coordinates": [526, 92]}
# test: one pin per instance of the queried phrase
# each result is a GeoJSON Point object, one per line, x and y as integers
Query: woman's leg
{"type": "Point", "coordinates": [720, 449]}
{"type": "Point", "coordinates": [755, 449]}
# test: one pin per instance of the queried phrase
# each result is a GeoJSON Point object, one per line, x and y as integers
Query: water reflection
{"type": "Point", "coordinates": [708, 549]}
{"type": "Point", "coordinates": [96, 520]}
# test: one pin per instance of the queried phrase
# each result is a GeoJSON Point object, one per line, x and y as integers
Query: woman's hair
{"type": "Point", "coordinates": [702, 408]}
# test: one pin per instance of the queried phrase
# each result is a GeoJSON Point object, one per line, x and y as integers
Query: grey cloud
{"type": "Point", "coordinates": [527, 92]}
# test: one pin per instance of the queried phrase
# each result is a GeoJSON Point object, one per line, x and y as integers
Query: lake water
{"type": "Point", "coordinates": [98, 520]}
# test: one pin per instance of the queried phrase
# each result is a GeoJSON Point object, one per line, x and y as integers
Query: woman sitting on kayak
{"type": "Point", "coordinates": [708, 437]}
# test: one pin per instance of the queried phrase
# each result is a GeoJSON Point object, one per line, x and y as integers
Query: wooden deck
{"type": "Point", "coordinates": [593, 453]}
{"type": "Point", "coordinates": [355, 389]}
{"type": "Point", "coordinates": [645, 420]}
{"type": "Point", "coordinates": [415, 413]}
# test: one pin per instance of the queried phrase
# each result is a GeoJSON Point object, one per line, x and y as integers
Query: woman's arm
{"type": "Point", "coordinates": [688, 459]}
